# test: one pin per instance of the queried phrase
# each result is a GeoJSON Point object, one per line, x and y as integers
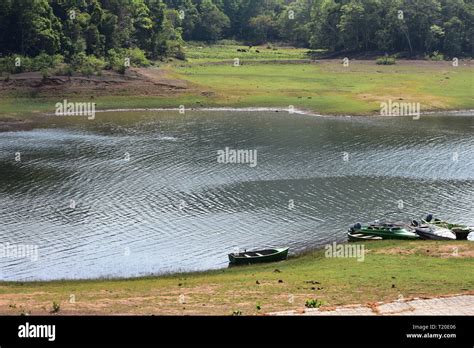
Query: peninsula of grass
{"type": "Point", "coordinates": [390, 270]}
{"type": "Point", "coordinates": [327, 87]}
{"type": "Point", "coordinates": [277, 77]}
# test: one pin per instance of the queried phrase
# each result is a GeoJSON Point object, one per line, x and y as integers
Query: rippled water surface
{"type": "Point", "coordinates": [173, 207]}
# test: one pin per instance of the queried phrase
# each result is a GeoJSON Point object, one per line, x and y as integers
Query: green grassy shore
{"type": "Point", "coordinates": [390, 270]}
{"type": "Point", "coordinates": [280, 78]}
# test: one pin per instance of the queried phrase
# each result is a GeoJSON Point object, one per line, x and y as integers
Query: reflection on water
{"type": "Point", "coordinates": [138, 193]}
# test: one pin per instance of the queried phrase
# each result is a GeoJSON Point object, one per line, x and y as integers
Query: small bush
{"type": "Point", "coordinates": [116, 59]}
{"type": "Point", "coordinates": [56, 308]}
{"type": "Point", "coordinates": [121, 69]}
{"type": "Point", "coordinates": [180, 55]}
{"type": "Point", "coordinates": [16, 64]}
{"type": "Point", "coordinates": [87, 65]}
{"type": "Point", "coordinates": [68, 71]}
{"type": "Point", "coordinates": [385, 61]}
{"type": "Point", "coordinates": [9, 64]}
{"type": "Point", "coordinates": [435, 56]}
{"type": "Point", "coordinates": [45, 61]}
{"type": "Point", "coordinates": [313, 303]}
{"type": "Point", "coordinates": [44, 73]}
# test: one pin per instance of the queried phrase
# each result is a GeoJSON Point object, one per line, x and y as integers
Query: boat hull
{"type": "Point", "coordinates": [253, 257]}
{"type": "Point", "coordinates": [403, 233]}
{"type": "Point", "coordinates": [433, 234]}
{"type": "Point", "coordinates": [460, 231]}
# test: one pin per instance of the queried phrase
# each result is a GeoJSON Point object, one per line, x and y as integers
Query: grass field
{"type": "Point", "coordinates": [277, 78]}
{"type": "Point", "coordinates": [390, 270]}
{"type": "Point", "coordinates": [200, 53]}
{"type": "Point", "coordinates": [329, 88]}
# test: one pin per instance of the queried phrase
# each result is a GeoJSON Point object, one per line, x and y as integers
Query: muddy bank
{"type": "Point", "coordinates": [136, 81]}
{"type": "Point", "coordinates": [9, 124]}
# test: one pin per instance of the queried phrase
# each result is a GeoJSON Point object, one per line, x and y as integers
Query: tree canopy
{"type": "Point", "coordinates": [160, 27]}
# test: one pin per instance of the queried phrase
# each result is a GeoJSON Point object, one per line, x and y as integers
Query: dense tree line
{"type": "Point", "coordinates": [69, 27]}
{"type": "Point", "coordinates": [159, 28]}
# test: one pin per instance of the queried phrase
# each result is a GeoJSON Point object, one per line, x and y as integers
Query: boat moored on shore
{"type": "Point", "coordinates": [258, 256]}
{"type": "Point", "coordinates": [377, 231]}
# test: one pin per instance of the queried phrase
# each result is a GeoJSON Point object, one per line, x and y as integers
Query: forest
{"type": "Point", "coordinates": [92, 34]}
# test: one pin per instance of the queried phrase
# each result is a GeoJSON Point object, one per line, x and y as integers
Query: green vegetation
{"type": "Point", "coordinates": [19, 64]}
{"type": "Point", "coordinates": [326, 87]}
{"type": "Point", "coordinates": [201, 53]}
{"type": "Point", "coordinates": [71, 38]}
{"type": "Point", "coordinates": [156, 29]}
{"type": "Point", "coordinates": [390, 269]}
{"type": "Point", "coordinates": [329, 87]}
{"type": "Point", "coordinates": [313, 303]}
{"type": "Point", "coordinates": [385, 61]}
{"type": "Point", "coordinates": [56, 307]}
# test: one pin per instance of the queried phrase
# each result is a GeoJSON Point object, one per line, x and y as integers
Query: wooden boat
{"type": "Point", "coordinates": [258, 256]}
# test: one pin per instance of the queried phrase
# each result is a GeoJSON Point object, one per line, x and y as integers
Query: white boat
{"type": "Point", "coordinates": [429, 231]}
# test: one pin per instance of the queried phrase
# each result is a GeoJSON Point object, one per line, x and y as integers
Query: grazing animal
{"type": "Point", "coordinates": [257, 51]}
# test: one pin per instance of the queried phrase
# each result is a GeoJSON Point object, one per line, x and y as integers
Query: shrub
{"type": "Point", "coordinates": [87, 65]}
{"type": "Point", "coordinates": [121, 69]}
{"type": "Point", "coordinates": [45, 73]}
{"type": "Point", "coordinates": [68, 71]}
{"type": "Point", "coordinates": [56, 307]}
{"type": "Point", "coordinates": [116, 58]}
{"type": "Point", "coordinates": [385, 61]}
{"type": "Point", "coordinates": [180, 55]}
{"type": "Point", "coordinates": [44, 61]}
{"type": "Point", "coordinates": [137, 57]}
{"type": "Point", "coordinates": [313, 303]}
{"type": "Point", "coordinates": [40, 63]}
{"type": "Point", "coordinates": [8, 64]}
{"type": "Point", "coordinates": [435, 56]}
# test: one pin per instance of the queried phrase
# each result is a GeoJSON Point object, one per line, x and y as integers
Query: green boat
{"type": "Point", "coordinates": [461, 231]}
{"type": "Point", "coordinates": [361, 237]}
{"type": "Point", "coordinates": [258, 256]}
{"type": "Point", "coordinates": [382, 230]}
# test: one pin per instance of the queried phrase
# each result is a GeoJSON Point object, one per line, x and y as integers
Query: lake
{"type": "Point", "coordinates": [139, 193]}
